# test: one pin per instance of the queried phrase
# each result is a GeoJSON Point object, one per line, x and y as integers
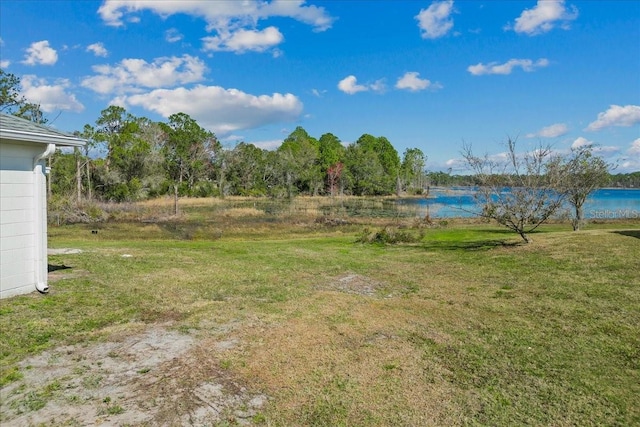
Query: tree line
{"type": "Point", "coordinates": [142, 159]}
{"type": "Point", "coordinates": [447, 179]}
{"type": "Point", "coordinates": [129, 158]}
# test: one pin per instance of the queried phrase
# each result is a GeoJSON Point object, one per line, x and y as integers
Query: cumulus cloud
{"type": "Point", "coordinates": [631, 161]}
{"type": "Point", "coordinates": [40, 53]}
{"type": "Point", "coordinates": [50, 97]}
{"type": "Point", "coordinates": [98, 49]}
{"type": "Point", "coordinates": [242, 40]}
{"type": "Point", "coordinates": [494, 68]}
{"type": "Point", "coordinates": [546, 15]}
{"type": "Point", "coordinates": [616, 115]}
{"type": "Point", "coordinates": [350, 85]}
{"type": "Point", "coordinates": [435, 21]}
{"type": "Point", "coordinates": [225, 18]}
{"type": "Point", "coordinates": [456, 165]}
{"type": "Point", "coordinates": [581, 142]}
{"type": "Point", "coordinates": [221, 110]}
{"type": "Point", "coordinates": [603, 150]}
{"type": "Point", "coordinates": [411, 81]}
{"type": "Point", "coordinates": [132, 74]}
{"type": "Point", "coordinates": [552, 131]}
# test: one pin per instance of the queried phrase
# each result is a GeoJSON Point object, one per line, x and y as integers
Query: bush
{"type": "Point", "coordinates": [64, 210]}
{"type": "Point", "coordinates": [389, 236]}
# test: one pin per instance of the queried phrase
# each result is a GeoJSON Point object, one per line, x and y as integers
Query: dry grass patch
{"type": "Point", "coordinates": [346, 360]}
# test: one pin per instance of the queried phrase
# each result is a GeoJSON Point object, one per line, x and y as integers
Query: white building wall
{"type": "Point", "coordinates": [21, 228]}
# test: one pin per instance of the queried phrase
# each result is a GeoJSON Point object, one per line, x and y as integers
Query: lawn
{"type": "Point", "coordinates": [299, 324]}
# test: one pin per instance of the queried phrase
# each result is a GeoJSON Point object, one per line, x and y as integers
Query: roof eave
{"type": "Point", "coordinates": [66, 141]}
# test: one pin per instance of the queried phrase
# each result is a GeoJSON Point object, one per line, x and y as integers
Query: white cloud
{"type": "Point", "coordinates": [132, 74]}
{"type": "Point", "coordinates": [40, 53]}
{"type": "Point", "coordinates": [318, 93]}
{"type": "Point", "coordinates": [50, 97]}
{"type": "Point", "coordinates": [98, 49]}
{"type": "Point", "coordinates": [603, 150]}
{"type": "Point", "coordinates": [494, 68]}
{"type": "Point", "coordinates": [552, 131]}
{"type": "Point", "coordinates": [172, 35]}
{"type": "Point", "coordinates": [271, 144]}
{"type": "Point", "coordinates": [242, 40]}
{"type": "Point", "coordinates": [456, 165]}
{"type": "Point", "coordinates": [546, 15]}
{"type": "Point", "coordinates": [411, 81]}
{"type": "Point", "coordinates": [378, 86]}
{"type": "Point", "coordinates": [616, 115]}
{"type": "Point", "coordinates": [221, 110]}
{"type": "Point", "coordinates": [350, 86]}
{"type": "Point", "coordinates": [581, 142]}
{"type": "Point", "coordinates": [631, 162]}
{"type": "Point", "coordinates": [435, 20]}
{"type": "Point", "coordinates": [4, 63]}
{"type": "Point", "coordinates": [225, 17]}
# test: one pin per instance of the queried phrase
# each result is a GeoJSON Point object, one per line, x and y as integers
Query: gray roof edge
{"type": "Point", "coordinates": [42, 138]}
{"type": "Point", "coordinates": [19, 129]}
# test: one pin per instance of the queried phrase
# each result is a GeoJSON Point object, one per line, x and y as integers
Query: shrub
{"type": "Point", "coordinates": [389, 236]}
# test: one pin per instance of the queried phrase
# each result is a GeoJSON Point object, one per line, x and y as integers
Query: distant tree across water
{"type": "Point", "coordinates": [624, 180]}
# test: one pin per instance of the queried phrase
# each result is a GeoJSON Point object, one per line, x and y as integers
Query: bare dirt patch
{"type": "Point", "coordinates": [158, 377]}
{"type": "Point", "coordinates": [351, 283]}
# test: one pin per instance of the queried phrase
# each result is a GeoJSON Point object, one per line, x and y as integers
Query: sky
{"type": "Point", "coordinates": [433, 75]}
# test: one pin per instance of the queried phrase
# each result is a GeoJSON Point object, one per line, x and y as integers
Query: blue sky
{"type": "Point", "coordinates": [429, 75]}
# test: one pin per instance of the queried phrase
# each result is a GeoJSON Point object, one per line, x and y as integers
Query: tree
{"type": "Point", "coordinates": [188, 150]}
{"type": "Point", "coordinates": [244, 168]}
{"type": "Point", "coordinates": [12, 102]}
{"type": "Point", "coordinates": [582, 174]}
{"type": "Point", "coordinates": [299, 155]}
{"type": "Point", "coordinates": [518, 191]}
{"type": "Point", "coordinates": [10, 98]}
{"type": "Point", "coordinates": [129, 142]}
{"type": "Point", "coordinates": [152, 172]}
{"type": "Point", "coordinates": [334, 174]}
{"type": "Point", "coordinates": [373, 166]}
{"type": "Point", "coordinates": [84, 162]}
{"type": "Point", "coordinates": [332, 154]}
{"type": "Point", "coordinates": [365, 175]}
{"type": "Point", "coordinates": [413, 170]}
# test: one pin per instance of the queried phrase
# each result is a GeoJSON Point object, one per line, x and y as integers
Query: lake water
{"type": "Point", "coordinates": [605, 203]}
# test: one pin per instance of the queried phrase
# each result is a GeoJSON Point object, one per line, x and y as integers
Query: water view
{"type": "Point", "coordinates": [606, 203]}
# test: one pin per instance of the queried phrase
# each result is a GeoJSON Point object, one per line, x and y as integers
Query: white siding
{"type": "Point", "coordinates": [18, 218]}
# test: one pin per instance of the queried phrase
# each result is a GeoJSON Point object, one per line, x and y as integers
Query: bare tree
{"type": "Point", "coordinates": [516, 190]}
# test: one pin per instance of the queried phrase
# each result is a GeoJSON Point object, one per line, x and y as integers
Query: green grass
{"type": "Point", "coordinates": [465, 327]}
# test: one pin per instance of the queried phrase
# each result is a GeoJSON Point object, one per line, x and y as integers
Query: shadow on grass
{"type": "Point", "coordinates": [475, 245]}
{"type": "Point", "coordinates": [51, 268]}
{"type": "Point", "coordinates": [630, 233]}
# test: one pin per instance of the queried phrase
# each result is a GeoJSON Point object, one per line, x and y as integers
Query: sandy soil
{"type": "Point", "coordinates": [158, 377]}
